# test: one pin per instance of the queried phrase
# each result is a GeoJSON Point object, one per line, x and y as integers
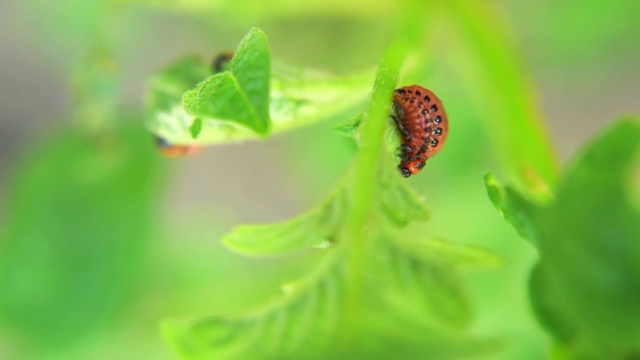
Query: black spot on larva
{"type": "Point", "coordinates": [423, 148]}
{"type": "Point", "coordinates": [404, 158]}
{"type": "Point", "coordinates": [425, 139]}
{"type": "Point", "coordinates": [417, 93]}
{"type": "Point", "coordinates": [406, 148]}
{"type": "Point", "coordinates": [420, 165]}
{"type": "Point", "coordinates": [404, 171]}
{"type": "Point", "coordinates": [434, 108]}
{"type": "Point", "coordinates": [399, 110]}
{"type": "Point", "coordinates": [438, 131]}
{"type": "Point", "coordinates": [420, 104]}
{"type": "Point", "coordinates": [427, 99]}
{"type": "Point", "coordinates": [438, 119]}
{"type": "Point", "coordinates": [424, 112]}
{"type": "Point", "coordinates": [427, 130]}
{"type": "Point", "coordinates": [400, 91]}
{"type": "Point", "coordinates": [434, 142]}
{"type": "Point", "coordinates": [413, 100]}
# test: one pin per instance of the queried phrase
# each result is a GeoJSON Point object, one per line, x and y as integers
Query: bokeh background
{"type": "Point", "coordinates": [581, 58]}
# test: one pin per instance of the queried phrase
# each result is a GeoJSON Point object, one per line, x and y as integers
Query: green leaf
{"type": "Point", "coordinates": [196, 128]}
{"type": "Point", "coordinates": [240, 95]}
{"type": "Point", "coordinates": [315, 229]}
{"type": "Point", "coordinates": [246, 101]}
{"type": "Point", "coordinates": [397, 201]}
{"type": "Point", "coordinates": [220, 97]}
{"type": "Point", "coordinates": [295, 326]}
{"type": "Point", "coordinates": [348, 127]}
{"type": "Point", "coordinates": [251, 66]}
{"type": "Point", "coordinates": [513, 207]}
{"type": "Point", "coordinates": [80, 217]}
{"type": "Point", "coordinates": [417, 289]}
{"type": "Point", "coordinates": [586, 286]}
{"type": "Point", "coordinates": [457, 256]}
{"type": "Point", "coordinates": [589, 241]}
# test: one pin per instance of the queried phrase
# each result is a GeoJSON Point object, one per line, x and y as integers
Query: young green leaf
{"type": "Point", "coordinates": [247, 100]}
{"type": "Point", "coordinates": [220, 97]}
{"type": "Point", "coordinates": [429, 290]}
{"type": "Point", "coordinates": [196, 128]}
{"type": "Point", "coordinates": [296, 325]}
{"type": "Point", "coordinates": [397, 201]}
{"type": "Point", "coordinates": [456, 256]}
{"type": "Point", "coordinates": [251, 66]}
{"type": "Point", "coordinates": [348, 127]}
{"type": "Point", "coordinates": [315, 229]}
{"type": "Point", "coordinates": [240, 95]}
{"type": "Point", "coordinates": [514, 208]}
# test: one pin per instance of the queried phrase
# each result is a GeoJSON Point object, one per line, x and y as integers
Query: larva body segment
{"type": "Point", "coordinates": [422, 124]}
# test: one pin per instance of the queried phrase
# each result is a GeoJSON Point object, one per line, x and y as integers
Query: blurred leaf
{"type": "Point", "coordinates": [587, 284]}
{"type": "Point", "coordinates": [428, 290]}
{"type": "Point", "coordinates": [513, 207]}
{"type": "Point", "coordinates": [398, 202]}
{"type": "Point", "coordinates": [315, 229]}
{"type": "Point", "coordinates": [597, 33]}
{"type": "Point", "coordinates": [241, 94]}
{"type": "Point", "coordinates": [79, 220]}
{"type": "Point", "coordinates": [456, 256]}
{"type": "Point", "coordinates": [348, 127]}
{"type": "Point", "coordinates": [486, 61]}
{"type": "Point", "coordinates": [296, 325]}
{"type": "Point", "coordinates": [167, 86]}
{"type": "Point", "coordinates": [196, 128]}
{"type": "Point", "coordinates": [546, 307]}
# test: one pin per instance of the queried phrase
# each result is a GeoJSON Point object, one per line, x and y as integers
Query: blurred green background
{"type": "Point", "coordinates": [100, 238]}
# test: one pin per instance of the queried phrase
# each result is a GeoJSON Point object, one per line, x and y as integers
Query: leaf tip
{"type": "Point", "coordinates": [196, 128]}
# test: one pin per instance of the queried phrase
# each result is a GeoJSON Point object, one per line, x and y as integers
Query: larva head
{"type": "Point", "coordinates": [415, 166]}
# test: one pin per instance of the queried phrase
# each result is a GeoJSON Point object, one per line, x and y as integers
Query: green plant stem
{"type": "Point", "coordinates": [363, 182]}
{"type": "Point", "coordinates": [488, 64]}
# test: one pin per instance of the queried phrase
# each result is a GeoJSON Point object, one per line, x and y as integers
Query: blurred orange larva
{"type": "Point", "coordinates": [422, 124]}
{"type": "Point", "coordinates": [174, 151]}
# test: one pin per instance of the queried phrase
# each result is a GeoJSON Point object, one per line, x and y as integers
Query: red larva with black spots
{"type": "Point", "coordinates": [422, 124]}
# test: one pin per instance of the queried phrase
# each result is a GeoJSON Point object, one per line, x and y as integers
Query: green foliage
{"type": "Point", "coordinates": [79, 223]}
{"type": "Point", "coordinates": [349, 127]}
{"type": "Point", "coordinates": [196, 128]}
{"type": "Point", "coordinates": [412, 285]}
{"type": "Point", "coordinates": [586, 286]}
{"type": "Point", "coordinates": [314, 229]}
{"type": "Point", "coordinates": [241, 94]}
{"type": "Point", "coordinates": [188, 104]}
{"type": "Point", "coordinates": [384, 283]}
